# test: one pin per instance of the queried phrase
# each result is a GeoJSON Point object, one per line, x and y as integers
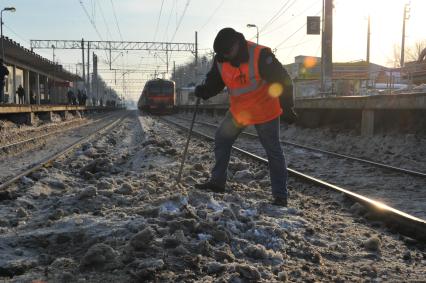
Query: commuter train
{"type": "Point", "coordinates": [158, 97]}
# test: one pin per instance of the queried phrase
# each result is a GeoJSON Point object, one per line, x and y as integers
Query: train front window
{"type": "Point", "coordinates": [155, 89]}
{"type": "Point", "coordinates": [160, 90]}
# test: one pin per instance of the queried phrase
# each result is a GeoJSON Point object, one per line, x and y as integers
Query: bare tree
{"type": "Point", "coordinates": [412, 53]}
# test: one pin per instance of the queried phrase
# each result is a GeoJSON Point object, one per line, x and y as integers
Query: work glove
{"type": "Point", "coordinates": [200, 91]}
{"type": "Point", "coordinates": [289, 116]}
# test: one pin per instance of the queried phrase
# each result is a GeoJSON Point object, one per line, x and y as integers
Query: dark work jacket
{"type": "Point", "coordinates": [21, 91]}
{"type": "Point", "coordinates": [3, 72]}
{"type": "Point", "coordinates": [270, 69]}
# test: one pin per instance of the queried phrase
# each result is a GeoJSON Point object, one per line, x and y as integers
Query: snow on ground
{"type": "Point", "coordinates": [406, 150]}
{"type": "Point", "coordinates": [112, 213]}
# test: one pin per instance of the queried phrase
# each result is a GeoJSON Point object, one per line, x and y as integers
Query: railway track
{"type": "Point", "coordinates": [6, 182]}
{"type": "Point", "coordinates": [13, 147]}
{"type": "Point", "coordinates": [401, 189]}
{"type": "Point", "coordinates": [399, 220]}
{"type": "Point", "coordinates": [344, 156]}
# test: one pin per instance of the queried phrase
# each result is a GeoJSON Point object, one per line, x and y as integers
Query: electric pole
{"type": "Point", "coordinates": [368, 50]}
{"type": "Point", "coordinates": [326, 50]}
{"type": "Point", "coordinates": [404, 19]}
{"type": "Point", "coordinates": [368, 40]}
{"type": "Point", "coordinates": [196, 57]}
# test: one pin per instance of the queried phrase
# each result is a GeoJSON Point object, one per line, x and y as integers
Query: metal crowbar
{"type": "Point", "coordinates": [187, 143]}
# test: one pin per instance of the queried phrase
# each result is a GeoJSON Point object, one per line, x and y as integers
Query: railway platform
{"type": "Point", "coordinates": [26, 113]}
{"type": "Point", "coordinates": [399, 112]}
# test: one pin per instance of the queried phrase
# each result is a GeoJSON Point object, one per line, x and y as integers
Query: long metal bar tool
{"type": "Point", "coordinates": [179, 176]}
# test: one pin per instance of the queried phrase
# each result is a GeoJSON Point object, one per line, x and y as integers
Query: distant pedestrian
{"type": "Point", "coordinates": [71, 96]}
{"type": "Point", "coordinates": [3, 73]}
{"type": "Point", "coordinates": [84, 97]}
{"type": "Point", "coordinates": [21, 94]}
{"type": "Point", "coordinates": [79, 97]}
{"type": "Point", "coordinates": [32, 97]}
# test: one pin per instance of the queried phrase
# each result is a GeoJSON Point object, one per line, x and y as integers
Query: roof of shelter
{"type": "Point", "coordinates": [27, 57]}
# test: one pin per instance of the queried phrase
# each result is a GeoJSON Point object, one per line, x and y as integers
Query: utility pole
{"type": "Point", "coordinates": [368, 41]}
{"type": "Point", "coordinates": [196, 57]}
{"type": "Point", "coordinates": [405, 17]}
{"type": "Point", "coordinates": [88, 68]}
{"type": "Point", "coordinates": [368, 51]}
{"type": "Point", "coordinates": [82, 58]}
{"type": "Point", "coordinates": [326, 49]}
{"type": "Point", "coordinates": [167, 59]}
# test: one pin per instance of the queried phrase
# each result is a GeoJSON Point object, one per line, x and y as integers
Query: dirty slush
{"type": "Point", "coordinates": [109, 212]}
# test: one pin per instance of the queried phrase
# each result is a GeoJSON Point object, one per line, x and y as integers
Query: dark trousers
{"type": "Point", "coordinates": [268, 133]}
{"type": "Point", "coordinates": [2, 93]}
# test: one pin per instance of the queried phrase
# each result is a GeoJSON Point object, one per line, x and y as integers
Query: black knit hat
{"type": "Point", "coordinates": [224, 40]}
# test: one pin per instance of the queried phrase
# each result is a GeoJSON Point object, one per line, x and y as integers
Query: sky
{"type": "Point", "coordinates": [281, 25]}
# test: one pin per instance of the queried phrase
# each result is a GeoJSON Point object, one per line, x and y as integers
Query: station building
{"type": "Point", "coordinates": [349, 78]}
{"type": "Point", "coordinates": [44, 81]}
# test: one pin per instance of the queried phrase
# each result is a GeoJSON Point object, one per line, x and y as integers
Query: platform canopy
{"type": "Point", "coordinates": [20, 54]}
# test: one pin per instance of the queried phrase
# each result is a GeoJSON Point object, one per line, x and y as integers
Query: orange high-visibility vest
{"type": "Point", "coordinates": [250, 101]}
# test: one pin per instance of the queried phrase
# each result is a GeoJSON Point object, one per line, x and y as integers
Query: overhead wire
{"type": "Point", "coordinates": [292, 18]}
{"type": "Point", "coordinates": [158, 20]}
{"type": "Point", "coordinates": [116, 20]}
{"type": "Point", "coordinates": [92, 22]}
{"type": "Point", "coordinates": [290, 36]}
{"type": "Point", "coordinates": [180, 19]}
{"type": "Point", "coordinates": [279, 16]}
{"type": "Point", "coordinates": [211, 16]}
{"type": "Point", "coordinates": [274, 16]}
{"type": "Point", "coordinates": [173, 7]}
{"type": "Point", "coordinates": [179, 23]}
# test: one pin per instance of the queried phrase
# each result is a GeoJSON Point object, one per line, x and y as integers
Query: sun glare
{"type": "Point", "coordinates": [350, 28]}
{"type": "Point", "coordinates": [275, 90]}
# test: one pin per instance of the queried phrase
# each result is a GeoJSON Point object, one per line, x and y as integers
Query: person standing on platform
{"type": "Point", "coordinates": [79, 97]}
{"type": "Point", "coordinates": [3, 73]}
{"type": "Point", "coordinates": [260, 91]}
{"type": "Point", "coordinates": [21, 94]}
{"type": "Point", "coordinates": [71, 96]}
{"type": "Point", "coordinates": [32, 97]}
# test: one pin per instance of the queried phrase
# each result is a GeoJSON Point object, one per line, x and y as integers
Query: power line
{"type": "Point", "coordinates": [158, 20]}
{"type": "Point", "coordinates": [92, 22]}
{"type": "Point", "coordinates": [282, 13]}
{"type": "Point", "coordinates": [294, 17]}
{"type": "Point", "coordinates": [274, 16]}
{"type": "Point", "coordinates": [26, 40]}
{"type": "Point", "coordinates": [211, 16]}
{"type": "Point", "coordinates": [105, 22]}
{"type": "Point", "coordinates": [180, 19]}
{"type": "Point", "coordinates": [282, 42]}
{"type": "Point", "coordinates": [116, 20]}
{"type": "Point", "coordinates": [168, 20]}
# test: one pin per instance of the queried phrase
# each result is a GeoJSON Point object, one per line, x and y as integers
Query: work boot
{"type": "Point", "coordinates": [280, 201]}
{"type": "Point", "coordinates": [210, 186]}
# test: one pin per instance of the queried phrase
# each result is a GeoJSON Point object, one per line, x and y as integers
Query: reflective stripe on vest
{"type": "Point", "coordinates": [252, 77]}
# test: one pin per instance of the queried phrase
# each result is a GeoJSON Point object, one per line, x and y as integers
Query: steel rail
{"type": "Point", "coordinates": [374, 163]}
{"type": "Point", "coordinates": [10, 145]}
{"type": "Point", "coordinates": [49, 159]}
{"type": "Point", "coordinates": [400, 221]}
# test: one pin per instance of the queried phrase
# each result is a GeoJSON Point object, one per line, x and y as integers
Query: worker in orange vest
{"type": "Point", "coordinates": [260, 92]}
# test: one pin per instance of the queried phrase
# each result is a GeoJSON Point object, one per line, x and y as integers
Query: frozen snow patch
{"type": "Point", "coordinates": [295, 223]}
{"type": "Point", "coordinates": [204, 237]}
{"type": "Point", "coordinates": [173, 206]}
{"type": "Point", "coordinates": [248, 212]}
{"type": "Point", "coordinates": [215, 205]}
